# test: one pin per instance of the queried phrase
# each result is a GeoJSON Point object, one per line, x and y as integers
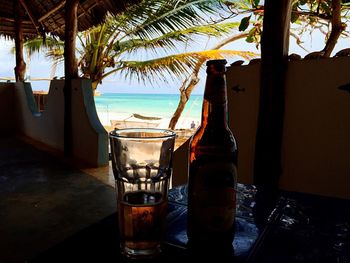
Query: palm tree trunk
{"type": "Point", "coordinates": [178, 112]}
{"type": "Point", "coordinates": [94, 86]}
{"type": "Point", "coordinates": [53, 70]}
{"type": "Point", "coordinates": [185, 93]}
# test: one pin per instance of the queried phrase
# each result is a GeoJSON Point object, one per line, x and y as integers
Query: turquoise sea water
{"type": "Point", "coordinates": [155, 105]}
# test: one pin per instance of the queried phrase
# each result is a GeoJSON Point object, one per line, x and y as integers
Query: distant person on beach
{"type": "Point", "coordinates": [193, 125]}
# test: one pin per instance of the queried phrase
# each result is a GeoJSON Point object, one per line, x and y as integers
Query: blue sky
{"type": "Point", "coordinates": [40, 67]}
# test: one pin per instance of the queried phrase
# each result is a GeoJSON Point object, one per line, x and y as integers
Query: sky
{"type": "Point", "coordinates": [40, 66]}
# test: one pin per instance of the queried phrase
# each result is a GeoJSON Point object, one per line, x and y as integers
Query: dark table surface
{"type": "Point", "coordinates": [288, 227]}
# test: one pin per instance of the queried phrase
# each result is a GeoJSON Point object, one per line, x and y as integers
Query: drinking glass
{"type": "Point", "coordinates": [142, 167]}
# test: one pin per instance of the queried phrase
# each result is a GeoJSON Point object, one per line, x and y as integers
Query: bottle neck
{"type": "Point", "coordinates": [214, 110]}
{"type": "Point", "coordinates": [214, 114]}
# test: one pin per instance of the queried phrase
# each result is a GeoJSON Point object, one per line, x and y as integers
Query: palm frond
{"type": "Point", "coordinates": [38, 44]}
{"type": "Point", "coordinates": [160, 17]}
{"type": "Point", "coordinates": [174, 65]}
{"type": "Point", "coordinates": [171, 39]}
{"type": "Point", "coordinates": [56, 55]}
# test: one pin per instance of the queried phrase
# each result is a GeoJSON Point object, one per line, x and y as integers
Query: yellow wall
{"type": "Point", "coordinates": [316, 143]}
{"type": "Point", "coordinates": [90, 139]}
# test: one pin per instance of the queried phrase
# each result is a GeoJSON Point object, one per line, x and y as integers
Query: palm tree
{"type": "Point", "coordinates": [153, 27]}
{"type": "Point", "coordinates": [326, 16]}
{"type": "Point", "coordinates": [192, 80]}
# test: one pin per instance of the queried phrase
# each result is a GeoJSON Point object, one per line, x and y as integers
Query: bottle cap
{"type": "Point", "coordinates": [216, 66]}
{"type": "Point", "coordinates": [217, 62]}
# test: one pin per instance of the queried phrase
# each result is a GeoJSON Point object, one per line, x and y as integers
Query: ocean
{"type": "Point", "coordinates": [111, 106]}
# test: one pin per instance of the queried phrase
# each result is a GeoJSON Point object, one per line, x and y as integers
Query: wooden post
{"type": "Point", "coordinates": [70, 70]}
{"type": "Point", "coordinates": [20, 68]}
{"type": "Point", "coordinates": [274, 53]}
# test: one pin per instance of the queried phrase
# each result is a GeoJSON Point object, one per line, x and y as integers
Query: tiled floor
{"type": "Point", "coordinates": [43, 200]}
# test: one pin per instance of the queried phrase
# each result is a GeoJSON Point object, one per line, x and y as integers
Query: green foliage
{"type": "Point", "coordinates": [160, 27]}
{"type": "Point", "coordinates": [307, 15]}
{"type": "Point", "coordinates": [175, 65]}
{"type": "Point", "coordinates": [244, 23]}
{"type": "Point", "coordinates": [157, 26]}
{"type": "Point", "coordinates": [255, 3]}
{"type": "Point", "coordinates": [39, 44]}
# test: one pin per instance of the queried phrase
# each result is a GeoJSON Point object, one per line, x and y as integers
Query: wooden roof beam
{"type": "Point", "coordinates": [11, 28]}
{"type": "Point", "coordinates": [11, 20]}
{"type": "Point", "coordinates": [31, 16]}
{"type": "Point", "coordinates": [53, 10]}
{"type": "Point", "coordinates": [84, 11]}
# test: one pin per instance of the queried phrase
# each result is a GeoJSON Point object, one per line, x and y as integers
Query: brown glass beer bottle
{"type": "Point", "coordinates": [212, 167]}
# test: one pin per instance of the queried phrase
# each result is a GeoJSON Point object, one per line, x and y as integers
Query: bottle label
{"type": "Point", "coordinates": [214, 200]}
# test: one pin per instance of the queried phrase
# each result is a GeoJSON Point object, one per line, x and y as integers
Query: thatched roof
{"type": "Point", "coordinates": [48, 15]}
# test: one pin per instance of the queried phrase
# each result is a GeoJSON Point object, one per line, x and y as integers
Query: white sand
{"type": "Point", "coordinates": [183, 123]}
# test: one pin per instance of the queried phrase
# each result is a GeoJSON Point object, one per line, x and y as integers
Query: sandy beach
{"type": "Point", "coordinates": [127, 110]}
{"type": "Point", "coordinates": [107, 117]}
{"type": "Point", "coordinates": [182, 129]}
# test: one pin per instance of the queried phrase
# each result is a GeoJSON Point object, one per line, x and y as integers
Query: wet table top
{"type": "Point", "coordinates": [292, 228]}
